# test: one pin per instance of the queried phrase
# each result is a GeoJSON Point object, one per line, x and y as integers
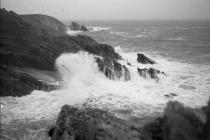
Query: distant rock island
{"type": "Point", "coordinates": [76, 27]}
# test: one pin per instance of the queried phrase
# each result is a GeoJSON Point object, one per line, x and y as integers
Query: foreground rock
{"type": "Point", "coordinates": [35, 41]}
{"type": "Point", "coordinates": [113, 69]}
{"type": "Point", "coordinates": [141, 58]}
{"type": "Point", "coordinates": [76, 27]}
{"type": "Point", "coordinates": [179, 123]}
{"type": "Point", "coordinates": [90, 124]}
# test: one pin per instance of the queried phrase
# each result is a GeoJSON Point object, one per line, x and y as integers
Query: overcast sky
{"type": "Point", "coordinates": [112, 9]}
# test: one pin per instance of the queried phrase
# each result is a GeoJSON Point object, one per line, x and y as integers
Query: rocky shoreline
{"type": "Point", "coordinates": [41, 40]}
{"type": "Point", "coordinates": [35, 41]}
{"type": "Point", "coordinates": [30, 45]}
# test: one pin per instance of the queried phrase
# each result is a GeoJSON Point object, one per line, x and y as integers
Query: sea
{"type": "Point", "coordinates": [180, 48]}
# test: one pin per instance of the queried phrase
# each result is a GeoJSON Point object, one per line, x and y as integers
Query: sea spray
{"type": "Point", "coordinates": [83, 79]}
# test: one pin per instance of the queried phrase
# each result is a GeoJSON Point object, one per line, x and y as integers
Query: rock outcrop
{"type": "Point", "coordinates": [19, 84]}
{"type": "Point", "coordinates": [149, 73]}
{"type": "Point", "coordinates": [113, 69]}
{"type": "Point", "coordinates": [35, 41]}
{"type": "Point", "coordinates": [90, 124]}
{"type": "Point", "coordinates": [179, 123]}
{"type": "Point", "coordinates": [141, 58]}
{"type": "Point", "coordinates": [76, 27]}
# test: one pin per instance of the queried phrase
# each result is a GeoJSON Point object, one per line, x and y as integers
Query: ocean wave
{"type": "Point", "coordinates": [98, 28]}
{"type": "Point", "coordinates": [177, 38]}
{"type": "Point", "coordinates": [72, 32]}
{"type": "Point", "coordinates": [122, 34]}
{"type": "Point", "coordinates": [140, 36]}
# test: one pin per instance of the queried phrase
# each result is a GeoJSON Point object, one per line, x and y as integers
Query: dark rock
{"type": "Point", "coordinates": [76, 27]}
{"type": "Point", "coordinates": [19, 84]}
{"type": "Point", "coordinates": [91, 124]}
{"type": "Point", "coordinates": [129, 64]}
{"type": "Point", "coordinates": [171, 95]}
{"type": "Point", "coordinates": [188, 87]}
{"type": "Point", "coordinates": [149, 73]}
{"type": "Point", "coordinates": [206, 132]}
{"type": "Point", "coordinates": [178, 123]}
{"type": "Point", "coordinates": [113, 70]}
{"type": "Point", "coordinates": [83, 28]}
{"type": "Point", "coordinates": [141, 58]}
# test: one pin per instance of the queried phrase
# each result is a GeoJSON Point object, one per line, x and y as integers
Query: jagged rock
{"type": "Point", "coordinates": [83, 28]}
{"type": "Point", "coordinates": [76, 27]}
{"type": "Point", "coordinates": [91, 124]}
{"type": "Point", "coordinates": [149, 73]}
{"type": "Point", "coordinates": [113, 70]}
{"type": "Point", "coordinates": [129, 64]}
{"type": "Point", "coordinates": [141, 58]}
{"type": "Point", "coordinates": [178, 123]}
{"type": "Point", "coordinates": [171, 95]}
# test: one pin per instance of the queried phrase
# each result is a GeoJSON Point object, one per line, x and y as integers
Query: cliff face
{"type": "Point", "coordinates": [35, 41]}
{"type": "Point", "coordinates": [45, 22]}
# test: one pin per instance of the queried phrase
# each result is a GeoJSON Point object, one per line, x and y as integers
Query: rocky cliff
{"type": "Point", "coordinates": [35, 41]}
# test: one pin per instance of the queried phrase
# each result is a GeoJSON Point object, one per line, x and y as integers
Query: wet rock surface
{"type": "Point", "coordinates": [19, 84]}
{"type": "Point", "coordinates": [113, 69]}
{"type": "Point", "coordinates": [91, 124]}
{"type": "Point", "coordinates": [141, 58]}
{"type": "Point", "coordinates": [149, 73]}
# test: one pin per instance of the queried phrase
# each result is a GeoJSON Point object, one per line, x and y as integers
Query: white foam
{"type": "Point", "coordinates": [177, 38]}
{"type": "Point", "coordinates": [98, 28]}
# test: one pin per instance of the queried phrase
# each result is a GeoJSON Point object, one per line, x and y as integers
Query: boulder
{"type": "Point", "coordinates": [83, 28]}
{"type": "Point", "coordinates": [170, 95]}
{"type": "Point", "coordinates": [74, 26]}
{"type": "Point", "coordinates": [113, 69]}
{"type": "Point", "coordinates": [90, 124]}
{"type": "Point", "coordinates": [178, 123]}
{"type": "Point", "coordinates": [141, 58]}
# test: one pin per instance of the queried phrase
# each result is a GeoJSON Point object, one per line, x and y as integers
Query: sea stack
{"type": "Point", "coordinates": [141, 58]}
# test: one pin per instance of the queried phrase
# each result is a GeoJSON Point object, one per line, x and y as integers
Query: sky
{"type": "Point", "coordinates": [113, 9]}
